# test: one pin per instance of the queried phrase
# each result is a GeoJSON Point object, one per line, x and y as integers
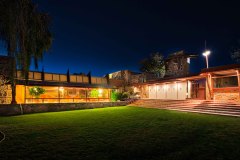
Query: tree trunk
{"type": "Point", "coordinates": [12, 80]}
{"type": "Point", "coordinates": [13, 85]}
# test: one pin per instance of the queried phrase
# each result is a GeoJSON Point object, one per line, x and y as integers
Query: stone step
{"type": "Point", "coordinates": [209, 112]}
{"type": "Point", "coordinates": [197, 106]}
{"type": "Point", "coordinates": [181, 104]}
{"type": "Point", "coordinates": [202, 104]}
{"type": "Point", "coordinates": [218, 109]}
{"type": "Point", "coordinates": [187, 101]}
{"type": "Point", "coordinates": [202, 108]}
{"type": "Point", "coordinates": [207, 109]}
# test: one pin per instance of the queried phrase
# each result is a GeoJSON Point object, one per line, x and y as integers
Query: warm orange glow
{"type": "Point", "coordinates": [20, 94]}
{"type": "Point", "coordinates": [61, 89]}
{"type": "Point", "coordinates": [100, 91]}
{"type": "Point", "coordinates": [62, 95]}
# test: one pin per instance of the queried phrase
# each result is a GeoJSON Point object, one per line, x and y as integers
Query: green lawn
{"type": "Point", "coordinates": [120, 133]}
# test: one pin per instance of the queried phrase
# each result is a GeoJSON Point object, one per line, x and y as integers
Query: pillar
{"type": "Point", "coordinates": [238, 82]}
{"type": "Point", "coordinates": [209, 82]}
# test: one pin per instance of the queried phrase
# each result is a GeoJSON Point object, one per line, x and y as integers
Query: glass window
{"type": "Point", "coordinates": [225, 82]}
{"type": "Point", "coordinates": [50, 92]}
{"type": "Point", "coordinates": [82, 93]}
{"type": "Point", "coordinates": [93, 93]}
{"type": "Point", "coordinates": [66, 95]}
{"type": "Point", "coordinates": [66, 92]}
{"type": "Point", "coordinates": [98, 93]}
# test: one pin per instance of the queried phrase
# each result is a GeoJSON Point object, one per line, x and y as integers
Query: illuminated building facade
{"type": "Point", "coordinates": [58, 88]}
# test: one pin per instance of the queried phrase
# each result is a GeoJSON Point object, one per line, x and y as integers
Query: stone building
{"type": "Point", "coordinates": [178, 63]}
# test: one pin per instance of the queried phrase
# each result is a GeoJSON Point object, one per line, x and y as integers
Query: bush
{"type": "Point", "coordinates": [36, 91]}
{"type": "Point", "coordinates": [115, 96]}
{"type": "Point", "coordinates": [125, 95]}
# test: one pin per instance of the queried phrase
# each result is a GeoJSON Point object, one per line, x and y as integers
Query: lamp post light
{"type": "Point", "coordinates": [206, 54]}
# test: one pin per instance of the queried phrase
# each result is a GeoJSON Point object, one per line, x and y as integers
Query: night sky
{"type": "Point", "coordinates": [104, 36]}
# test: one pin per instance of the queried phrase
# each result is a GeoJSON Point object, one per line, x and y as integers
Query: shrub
{"type": "Point", "coordinates": [125, 95]}
{"type": "Point", "coordinates": [94, 93]}
{"type": "Point", "coordinates": [115, 96]}
{"type": "Point", "coordinates": [36, 91]}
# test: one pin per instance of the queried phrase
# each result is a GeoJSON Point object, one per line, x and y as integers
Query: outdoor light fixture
{"type": "Point", "coordinates": [61, 89]}
{"type": "Point", "coordinates": [206, 54]}
{"type": "Point", "coordinates": [100, 91]}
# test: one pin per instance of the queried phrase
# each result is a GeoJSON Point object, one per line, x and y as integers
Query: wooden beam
{"type": "Point", "coordinates": [238, 81]}
{"type": "Point", "coordinates": [209, 85]}
{"type": "Point", "coordinates": [225, 76]}
{"type": "Point", "coordinates": [212, 85]}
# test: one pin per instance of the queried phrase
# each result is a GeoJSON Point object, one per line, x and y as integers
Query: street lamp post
{"type": "Point", "coordinates": [206, 54]}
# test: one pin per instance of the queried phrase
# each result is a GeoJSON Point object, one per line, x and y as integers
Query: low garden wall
{"type": "Point", "coordinates": [229, 94]}
{"type": "Point", "coordinates": [17, 109]}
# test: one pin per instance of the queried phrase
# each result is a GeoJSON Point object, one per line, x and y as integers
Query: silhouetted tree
{"type": "Point", "coordinates": [154, 64]}
{"type": "Point", "coordinates": [236, 55]}
{"type": "Point", "coordinates": [235, 52]}
{"type": "Point", "coordinates": [3, 88]}
{"type": "Point", "coordinates": [25, 32]}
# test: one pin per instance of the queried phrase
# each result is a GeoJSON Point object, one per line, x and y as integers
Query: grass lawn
{"type": "Point", "coordinates": [120, 133]}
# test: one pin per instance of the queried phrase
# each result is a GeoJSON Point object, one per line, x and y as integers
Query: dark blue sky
{"type": "Point", "coordinates": [103, 36]}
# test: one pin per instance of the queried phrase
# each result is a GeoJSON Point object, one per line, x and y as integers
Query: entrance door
{"type": "Point", "coordinates": [198, 89]}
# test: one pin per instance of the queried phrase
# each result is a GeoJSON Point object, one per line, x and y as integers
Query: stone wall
{"type": "Point", "coordinates": [16, 109]}
{"type": "Point", "coordinates": [5, 94]}
{"type": "Point", "coordinates": [231, 94]}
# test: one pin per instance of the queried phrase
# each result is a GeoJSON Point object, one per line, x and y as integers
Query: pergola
{"type": "Point", "coordinates": [221, 72]}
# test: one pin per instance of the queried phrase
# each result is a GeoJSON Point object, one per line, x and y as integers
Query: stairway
{"type": "Point", "coordinates": [227, 108]}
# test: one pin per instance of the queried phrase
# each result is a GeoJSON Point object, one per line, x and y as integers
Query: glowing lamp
{"type": "Point", "coordinates": [206, 54]}
{"type": "Point", "coordinates": [61, 89]}
{"type": "Point", "coordinates": [100, 91]}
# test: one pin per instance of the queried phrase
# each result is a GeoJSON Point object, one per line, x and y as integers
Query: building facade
{"type": "Point", "coordinates": [58, 88]}
{"type": "Point", "coordinates": [216, 83]}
